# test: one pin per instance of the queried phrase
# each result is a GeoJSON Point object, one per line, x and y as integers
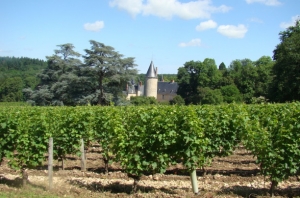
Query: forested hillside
{"type": "Point", "coordinates": [17, 74]}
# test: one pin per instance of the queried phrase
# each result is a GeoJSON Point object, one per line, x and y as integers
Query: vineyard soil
{"type": "Point", "coordinates": [233, 176]}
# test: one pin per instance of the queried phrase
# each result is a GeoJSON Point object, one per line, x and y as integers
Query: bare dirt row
{"type": "Point", "coordinates": [233, 176]}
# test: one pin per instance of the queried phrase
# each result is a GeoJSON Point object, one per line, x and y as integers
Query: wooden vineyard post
{"type": "Point", "coordinates": [50, 163]}
{"type": "Point", "coordinates": [194, 181]}
{"type": "Point", "coordinates": [24, 176]}
{"type": "Point", "coordinates": [83, 161]}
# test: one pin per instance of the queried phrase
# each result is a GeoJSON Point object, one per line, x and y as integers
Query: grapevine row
{"type": "Point", "coordinates": [148, 139]}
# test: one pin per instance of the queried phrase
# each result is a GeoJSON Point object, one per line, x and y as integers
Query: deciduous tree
{"type": "Point", "coordinates": [177, 100]}
{"type": "Point", "coordinates": [195, 76]}
{"type": "Point", "coordinates": [231, 94]}
{"type": "Point", "coordinates": [244, 75]}
{"type": "Point", "coordinates": [286, 71]}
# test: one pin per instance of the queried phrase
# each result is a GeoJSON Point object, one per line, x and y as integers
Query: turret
{"type": "Point", "coordinates": [151, 81]}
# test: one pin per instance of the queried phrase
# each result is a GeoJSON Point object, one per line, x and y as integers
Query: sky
{"type": "Point", "coordinates": [167, 32]}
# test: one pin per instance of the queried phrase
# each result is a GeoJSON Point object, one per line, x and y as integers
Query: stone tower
{"type": "Point", "coordinates": [151, 82]}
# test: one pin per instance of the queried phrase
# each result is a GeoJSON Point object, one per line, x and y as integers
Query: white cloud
{"type": "Point", "coordinates": [232, 31]}
{"type": "Point", "coordinates": [94, 27]}
{"type": "Point", "coordinates": [134, 7]}
{"type": "Point", "coordinates": [169, 8]}
{"type": "Point", "coordinates": [266, 2]}
{"type": "Point", "coordinates": [206, 25]}
{"type": "Point", "coordinates": [193, 42]}
{"type": "Point", "coordinates": [285, 25]}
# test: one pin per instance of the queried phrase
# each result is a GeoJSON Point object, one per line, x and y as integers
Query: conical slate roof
{"type": "Point", "coordinates": [151, 73]}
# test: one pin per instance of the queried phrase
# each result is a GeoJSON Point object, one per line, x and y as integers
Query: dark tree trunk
{"type": "Point", "coordinates": [62, 163]}
{"type": "Point", "coordinates": [135, 185]}
{"type": "Point", "coordinates": [100, 81]}
{"type": "Point", "coordinates": [204, 171]}
{"type": "Point", "coordinates": [136, 180]}
{"type": "Point", "coordinates": [106, 160]}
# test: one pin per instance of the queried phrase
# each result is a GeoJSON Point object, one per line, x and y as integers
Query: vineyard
{"type": "Point", "coordinates": [142, 142]}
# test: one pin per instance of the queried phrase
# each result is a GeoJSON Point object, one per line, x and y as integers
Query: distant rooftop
{"type": "Point", "coordinates": [167, 87]}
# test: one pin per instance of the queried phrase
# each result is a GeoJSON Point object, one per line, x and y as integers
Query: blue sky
{"type": "Point", "coordinates": [169, 32]}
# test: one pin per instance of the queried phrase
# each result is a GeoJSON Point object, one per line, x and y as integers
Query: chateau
{"type": "Point", "coordinates": [162, 91]}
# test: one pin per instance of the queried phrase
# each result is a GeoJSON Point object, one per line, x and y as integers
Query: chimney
{"type": "Point", "coordinates": [156, 71]}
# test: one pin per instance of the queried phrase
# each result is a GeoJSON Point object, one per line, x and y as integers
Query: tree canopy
{"type": "Point", "coordinates": [109, 70]}
{"type": "Point", "coordinates": [286, 71]}
{"type": "Point", "coordinates": [143, 100]}
{"type": "Point", "coordinates": [197, 80]}
{"type": "Point", "coordinates": [68, 81]}
{"type": "Point", "coordinates": [204, 83]}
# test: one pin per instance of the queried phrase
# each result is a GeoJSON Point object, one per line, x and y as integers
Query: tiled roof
{"type": "Point", "coordinates": [167, 87]}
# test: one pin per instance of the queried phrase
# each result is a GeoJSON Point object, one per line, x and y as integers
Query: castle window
{"type": "Point", "coordinates": [163, 97]}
